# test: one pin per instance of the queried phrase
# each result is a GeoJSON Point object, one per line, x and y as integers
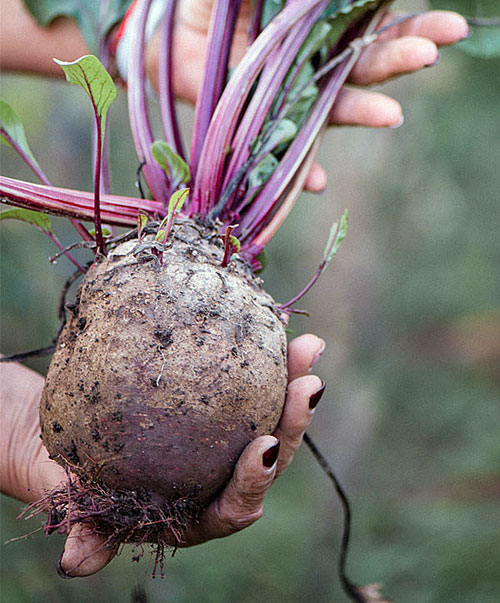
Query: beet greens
{"type": "Point", "coordinates": [257, 127]}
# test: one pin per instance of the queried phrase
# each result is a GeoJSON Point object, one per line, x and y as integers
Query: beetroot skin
{"type": "Point", "coordinates": [165, 370]}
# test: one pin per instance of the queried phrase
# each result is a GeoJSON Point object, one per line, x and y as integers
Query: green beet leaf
{"type": "Point", "coordinates": [35, 218]}
{"type": "Point", "coordinates": [160, 235]}
{"type": "Point", "coordinates": [177, 200]}
{"type": "Point", "coordinates": [235, 243]}
{"type": "Point", "coordinates": [338, 232]}
{"type": "Point", "coordinates": [262, 171]}
{"type": "Point", "coordinates": [142, 220]}
{"type": "Point", "coordinates": [172, 164]}
{"type": "Point", "coordinates": [89, 73]}
{"type": "Point", "coordinates": [12, 130]}
{"type": "Point", "coordinates": [284, 133]}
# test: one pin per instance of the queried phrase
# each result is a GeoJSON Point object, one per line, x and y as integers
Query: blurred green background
{"type": "Point", "coordinates": [410, 310]}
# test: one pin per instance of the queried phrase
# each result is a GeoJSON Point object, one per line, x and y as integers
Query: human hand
{"type": "Point", "coordinates": [28, 473]}
{"type": "Point", "coordinates": [405, 48]}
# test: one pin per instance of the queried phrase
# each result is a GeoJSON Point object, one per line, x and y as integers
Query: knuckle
{"type": "Point", "coordinates": [235, 520]}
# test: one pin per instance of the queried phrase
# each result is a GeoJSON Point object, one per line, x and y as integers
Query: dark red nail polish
{"type": "Point", "coordinates": [316, 397]}
{"type": "Point", "coordinates": [270, 456]}
{"type": "Point", "coordinates": [61, 572]}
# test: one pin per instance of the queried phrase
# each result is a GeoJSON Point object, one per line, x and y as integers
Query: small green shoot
{"type": "Point", "coordinates": [89, 73]}
{"type": "Point", "coordinates": [105, 232]}
{"type": "Point", "coordinates": [231, 245]}
{"type": "Point", "coordinates": [160, 235]}
{"type": "Point", "coordinates": [142, 220]}
{"type": "Point", "coordinates": [234, 242]}
{"type": "Point", "coordinates": [175, 205]}
{"type": "Point", "coordinates": [177, 201]}
{"type": "Point", "coordinates": [338, 232]}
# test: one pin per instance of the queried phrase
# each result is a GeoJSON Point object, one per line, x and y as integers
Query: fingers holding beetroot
{"type": "Point", "coordinates": [303, 396]}
{"type": "Point", "coordinates": [303, 353]}
{"type": "Point", "coordinates": [241, 502]}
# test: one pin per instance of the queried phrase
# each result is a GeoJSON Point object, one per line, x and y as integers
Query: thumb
{"type": "Point", "coordinates": [85, 553]}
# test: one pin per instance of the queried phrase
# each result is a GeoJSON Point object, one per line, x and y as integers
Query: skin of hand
{"type": "Point", "coordinates": [404, 48]}
{"type": "Point", "coordinates": [27, 473]}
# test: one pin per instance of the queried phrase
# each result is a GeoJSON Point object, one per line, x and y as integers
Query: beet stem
{"type": "Point", "coordinates": [165, 80]}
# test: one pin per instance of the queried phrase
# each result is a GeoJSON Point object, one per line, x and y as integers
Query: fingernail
{"type": "Point", "coordinates": [438, 58]}
{"type": "Point", "coordinates": [61, 571]}
{"type": "Point", "coordinates": [317, 356]}
{"type": "Point", "coordinates": [316, 397]}
{"type": "Point", "coordinates": [468, 34]}
{"type": "Point", "coordinates": [270, 456]}
{"type": "Point", "coordinates": [399, 124]}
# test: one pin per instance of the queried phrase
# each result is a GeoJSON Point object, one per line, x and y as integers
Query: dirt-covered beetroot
{"type": "Point", "coordinates": [165, 371]}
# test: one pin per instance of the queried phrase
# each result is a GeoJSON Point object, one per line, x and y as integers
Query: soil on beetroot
{"type": "Point", "coordinates": [162, 375]}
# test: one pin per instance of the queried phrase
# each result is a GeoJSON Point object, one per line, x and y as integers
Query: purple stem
{"type": "Point", "coordinates": [99, 239]}
{"type": "Point", "coordinates": [268, 87]}
{"type": "Point", "coordinates": [286, 201]}
{"type": "Point", "coordinates": [261, 209]}
{"type": "Point", "coordinates": [119, 211]}
{"type": "Point", "coordinates": [227, 113]}
{"type": "Point", "coordinates": [37, 170]}
{"type": "Point", "coordinates": [40, 174]}
{"type": "Point", "coordinates": [249, 165]}
{"type": "Point", "coordinates": [168, 227]}
{"type": "Point", "coordinates": [220, 36]}
{"type": "Point", "coordinates": [138, 110]}
{"type": "Point", "coordinates": [165, 82]}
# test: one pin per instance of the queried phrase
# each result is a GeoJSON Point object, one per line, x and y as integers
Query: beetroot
{"type": "Point", "coordinates": [165, 371]}
{"type": "Point", "coordinates": [173, 357]}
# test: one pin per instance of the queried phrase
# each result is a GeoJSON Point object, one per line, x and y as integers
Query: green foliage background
{"type": "Point", "coordinates": [410, 309]}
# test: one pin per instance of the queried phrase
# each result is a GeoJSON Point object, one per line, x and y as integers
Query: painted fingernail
{"type": "Point", "coordinates": [61, 571]}
{"type": "Point", "coordinates": [316, 397]}
{"type": "Point", "coordinates": [438, 58]}
{"type": "Point", "coordinates": [270, 456]}
{"type": "Point", "coordinates": [317, 356]}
